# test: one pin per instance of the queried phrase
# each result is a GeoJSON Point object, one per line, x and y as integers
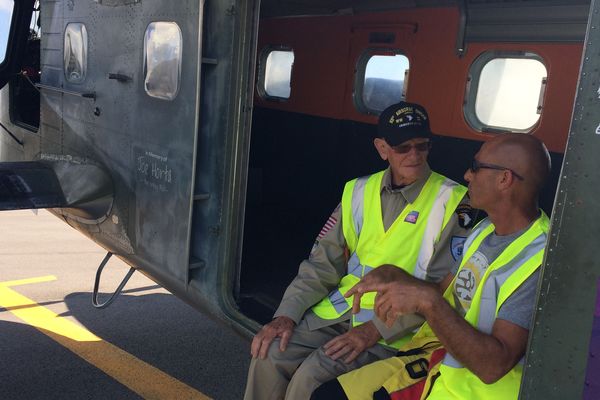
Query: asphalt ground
{"type": "Point", "coordinates": [55, 345]}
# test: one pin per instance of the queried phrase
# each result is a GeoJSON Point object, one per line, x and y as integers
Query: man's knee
{"type": "Point", "coordinates": [315, 370]}
{"type": "Point", "coordinates": [268, 378]}
{"type": "Point", "coordinates": [276, 362]}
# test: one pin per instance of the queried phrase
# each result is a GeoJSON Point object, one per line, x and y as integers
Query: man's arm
{"type": "Point", "coordinates": [320, 273]}
{"type": "Point", "coordinates": [316, 277]}
{"type": "Point", "coordinates": [489, 356]}
{"type": "Point", "coordinates": [474, 349]}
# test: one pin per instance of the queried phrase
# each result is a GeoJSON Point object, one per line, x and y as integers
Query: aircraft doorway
{"type": "Point", "coordinates": [312, 130]}
{"type": "Point", "coordinates": [314, 117]}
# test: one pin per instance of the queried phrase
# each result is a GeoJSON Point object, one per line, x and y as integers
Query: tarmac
{"type": "Point", "coordinates": [55, 345]}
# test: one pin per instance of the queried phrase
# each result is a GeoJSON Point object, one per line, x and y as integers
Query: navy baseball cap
{"type": "Point", "coordinates": [403, 121]}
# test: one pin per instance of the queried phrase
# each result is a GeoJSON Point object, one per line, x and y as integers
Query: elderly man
{"type": "Point", "coordinates": [483, 318]}
{"type": "Point", "coordinates": [407, 216]}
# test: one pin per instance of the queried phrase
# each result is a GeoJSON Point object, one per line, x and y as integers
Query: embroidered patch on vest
{"type": "Point", "coordinates": [412, 217]}
{"type": "Point", "coordinates": [456, 246]}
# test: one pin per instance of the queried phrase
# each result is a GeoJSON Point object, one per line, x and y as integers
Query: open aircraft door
{"type": "Point", "coordinates": [120, 86]}
{"type": "Point", "coordinates": [14, 18]}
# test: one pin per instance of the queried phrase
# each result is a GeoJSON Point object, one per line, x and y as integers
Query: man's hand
{"type": "Point", "coordinates": [352, 343]}
{"type": "Point", "coordinates": [281, 327]}
{"type": "Point", "coordinates": [399, 298]}
{"type": "Point", "coordinates": [397, 293]}
{"type": "Point", "coordinates": [374, 280]}
{"type": "Point", "coordinates": [385, 274]}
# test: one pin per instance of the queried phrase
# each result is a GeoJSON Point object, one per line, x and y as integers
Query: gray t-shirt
{"type": "Point", "coordinates": [518, 308]}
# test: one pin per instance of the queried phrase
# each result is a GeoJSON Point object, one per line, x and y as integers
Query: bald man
{"type": "Point", "coordinates": [480, 315]}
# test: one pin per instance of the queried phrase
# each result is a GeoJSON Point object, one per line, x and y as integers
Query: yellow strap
{"type": "Point", "coordinates": [347, 218]}
{"type": "Point", "coordinates": [539, 227]}
{"type": "Point", "coordinates": [458, 192]}
{"type": "Point", "coordinates": [427, 196]}
{"type": "Point", "coordinates": [518, 277]}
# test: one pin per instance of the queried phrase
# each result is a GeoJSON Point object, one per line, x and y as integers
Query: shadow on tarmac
{"type": "Point", "coordinates": [156, 328]}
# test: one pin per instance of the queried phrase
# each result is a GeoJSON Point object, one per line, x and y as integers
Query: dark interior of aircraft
{"type": "Point", "coordinates": [25, 97]}
{"type": "Point", "coordinates": [300, 160]}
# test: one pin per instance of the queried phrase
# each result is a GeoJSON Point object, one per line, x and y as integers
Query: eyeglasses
{"type": "Point", "coordinates": [405, 148]}
{"type": "Point", "coordinates": [476, 166]}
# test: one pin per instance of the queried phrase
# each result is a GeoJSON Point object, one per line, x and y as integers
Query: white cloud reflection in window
{"type": "Point", "coordinates": [75, 52]}
{"type": "Point", "coordinates": [162, 60]}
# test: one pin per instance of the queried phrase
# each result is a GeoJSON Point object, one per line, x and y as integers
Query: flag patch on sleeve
{"type": "Point", "coordinates": [331, 221]}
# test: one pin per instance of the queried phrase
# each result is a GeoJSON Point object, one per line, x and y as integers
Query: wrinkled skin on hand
{"type": "Point", "coordinates": [281, 327]}
{"type": "Point", "coordinates": [352, 343]}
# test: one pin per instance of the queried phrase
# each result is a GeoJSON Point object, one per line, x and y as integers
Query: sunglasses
{"type": "Point", "coordinates": [405, 148]}
{"type": "Point", "coordinates": [476, 166]}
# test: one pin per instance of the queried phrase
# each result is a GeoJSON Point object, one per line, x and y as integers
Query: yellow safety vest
{"type": "Point", "coordinates": [407, 244]}
{"type": "Point", "coordinates": [510, 269]}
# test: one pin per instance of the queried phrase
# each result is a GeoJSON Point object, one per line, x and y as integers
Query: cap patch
{"type": "Point", "coordinates": [407, 116]}
{"type": "Point", "coordinates": [403, 121]}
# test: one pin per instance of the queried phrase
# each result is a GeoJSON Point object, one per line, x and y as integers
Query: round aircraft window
{"type": "Point", "coordinates": [381, 80]}
{"type": "Point", "coordinates": [505, 92]}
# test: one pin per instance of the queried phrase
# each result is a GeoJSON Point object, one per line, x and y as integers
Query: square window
{"type": "Point", "coordinates": [277, 74]}
{"type": "Point", "coordinates": [162, 60]}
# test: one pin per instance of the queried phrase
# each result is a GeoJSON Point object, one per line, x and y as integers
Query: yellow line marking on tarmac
{"type": "Point", "coordinates": [19, 282]}
{"type": "Point", "coordinates": [142, 378]}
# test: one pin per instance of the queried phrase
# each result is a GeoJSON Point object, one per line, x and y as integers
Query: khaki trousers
{"type": "Point", "coordinates": [295, 373]}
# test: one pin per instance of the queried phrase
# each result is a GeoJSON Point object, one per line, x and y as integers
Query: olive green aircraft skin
{"type": "Point", "coordinates": [162, 184]}
{"type": "Point", "coordinates": [131, 171]}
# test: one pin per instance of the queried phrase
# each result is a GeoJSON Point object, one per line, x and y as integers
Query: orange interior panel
{"type": "Point", "coordinates": [327, 50]}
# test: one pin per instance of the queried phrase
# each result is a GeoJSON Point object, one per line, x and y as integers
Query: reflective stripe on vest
{"type": "Point", "coordinates": [358, 194]}
{"type": "Point", "coordinates": [338, 301]}
{"type": "Point", "coordinates": [489, 294]}
{"type": "Point", "coordinates": [433, 229]}
{"type": "Point", "coordinates": [507, 273]}
{"type": "Point", "coordinates": [366, 238]}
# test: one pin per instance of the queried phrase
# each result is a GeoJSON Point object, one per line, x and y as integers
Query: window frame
{"type": "Point", "coordinates": [145, 65]}
{"type": "Point", "coordinates": [84, 55]}
{"type": "Point", "coordinates": [262, 70]}
{"type": "Point", "coordinates": [472, 87]}
{"type": "Point", "coordinates": [7, 49]}
{"type": "Point", "coordinates": [16, 40]}
{"type": "Point", "coordinates": [361, 69]}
